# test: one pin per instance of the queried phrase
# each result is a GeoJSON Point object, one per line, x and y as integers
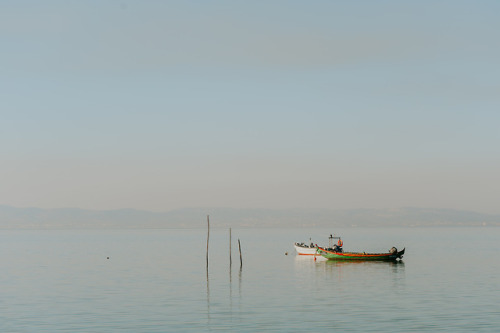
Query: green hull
{"type": "Point", "coordinates": [330, 255]}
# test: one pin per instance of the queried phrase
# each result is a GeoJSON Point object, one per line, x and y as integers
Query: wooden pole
{"type": "Point", "coordinates": [230, 260]}
{"type": "Point", "coordinates": [239, 247]}
{"type": "Point", "coordinates": [208, 237]}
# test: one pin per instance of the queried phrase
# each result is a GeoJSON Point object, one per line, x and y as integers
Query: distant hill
{"type": "Point", "coordinates": [74, 218]}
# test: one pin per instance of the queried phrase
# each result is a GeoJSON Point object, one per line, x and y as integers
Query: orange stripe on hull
{"type": "Point", "coordinates": [362, 255]}
{"type": "Point", "coordinates": [358, 255]}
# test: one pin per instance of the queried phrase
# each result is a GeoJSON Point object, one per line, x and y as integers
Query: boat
{"type": "Point", "coordinates": [304, 249]}
{"type": "Point", "coordinates": [338, 254]}
{"type": "Point", "coordinates": [311, 249]}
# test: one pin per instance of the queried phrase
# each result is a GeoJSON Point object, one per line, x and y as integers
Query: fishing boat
{"type": "Point", "coordinates": [311, 249]}
{"type": "Point", "coordinates": [304, 249]}
{"type": "Point", "coordinates": [338, 254]}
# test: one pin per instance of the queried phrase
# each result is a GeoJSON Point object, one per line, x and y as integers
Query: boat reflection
{"type": "Point", "coordinates": [343, 273]}
{"type": "Point", "coordinates": [341, 263]}
{"type": "Point", "coordinates": [353, 272]}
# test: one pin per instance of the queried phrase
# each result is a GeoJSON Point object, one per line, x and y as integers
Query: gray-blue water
{"type": "Point", "coordinates": [156, 281]}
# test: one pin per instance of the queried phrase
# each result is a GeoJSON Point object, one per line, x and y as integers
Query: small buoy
{"type": "Point", "coordinates": [314, 258]}
{"type": "Point", "coordinates": [286, 253]}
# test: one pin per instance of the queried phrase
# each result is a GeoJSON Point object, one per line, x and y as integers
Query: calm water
{"type": "Point", "coordinates": [156, 281]}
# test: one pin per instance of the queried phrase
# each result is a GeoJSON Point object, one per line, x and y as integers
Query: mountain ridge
{"type": "Point", "coordinates": [77, 218]}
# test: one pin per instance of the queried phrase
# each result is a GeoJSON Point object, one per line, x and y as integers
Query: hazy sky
{"type": "Point", "coordinates": [160, 105]}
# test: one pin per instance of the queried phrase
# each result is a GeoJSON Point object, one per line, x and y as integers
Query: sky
{"type": "Point", "coordinates": [160, 105]}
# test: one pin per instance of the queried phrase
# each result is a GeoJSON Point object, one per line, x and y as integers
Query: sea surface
{"type": "Point", "coordinates": [157, 281]}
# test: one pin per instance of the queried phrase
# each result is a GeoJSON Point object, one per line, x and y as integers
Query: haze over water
{"type": "Point", "coordinates": [163, 105]}
{"type": "Point", "coordinates": [116, 106]}
{"type": "Point", "coordinates": [156, 281]}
